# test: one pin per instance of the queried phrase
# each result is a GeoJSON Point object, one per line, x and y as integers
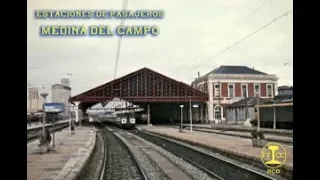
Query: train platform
{"type": "Point", "coordinates": [269, 137]}
{"type": "Point", "coordinates": [239, 127]}
{"type": "Point", "coordinates": [235, 146]}
{"type": "Point", "coordinates": [66, 160]}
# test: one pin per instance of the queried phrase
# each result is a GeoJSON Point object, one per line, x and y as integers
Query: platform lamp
{"type": "Point", "coordinates": [181, 107]}
{"type": "Point", "coordinates": [44, 96]}
{"type": "Point", "coordinates": [190, 111]}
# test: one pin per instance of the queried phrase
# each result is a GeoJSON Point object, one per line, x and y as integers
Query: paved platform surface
{"type": "Point", "coordinates": [229, 144]}
{"type": "Point", "coordinates": [68, 156]}
{"type": "Point", "coordinates": [239, 127]}
{"type": "Point", "coordinates": [269, 137]}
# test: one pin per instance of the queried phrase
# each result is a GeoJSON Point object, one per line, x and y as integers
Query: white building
{"type": "Point", "coordinates": [34, 102]}
{"type": "Point", "coordinates": [228, 84]}
{"type": "Point", "coordinates": [61, 94]}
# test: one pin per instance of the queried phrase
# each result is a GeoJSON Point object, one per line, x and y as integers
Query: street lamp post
{"type": "Point", "coordinates": [54, 118]}
{"type": "Point", "coordinates": [190, 109]}
{"type": "Point", "coordinates": [70, 117]}
{"type": "Point", "coordinates": [274, 116]}
{"type": "Point", "coordinates": [258, 114]}
{"type": "Point", "coordinates": [44, 96]}
{"type": "Point", "coordinates": [181, 107]}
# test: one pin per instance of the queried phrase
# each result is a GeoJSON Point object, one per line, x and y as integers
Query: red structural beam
{"type": "Point", "coordinates": [143, 85]}
{"type": "Point", "coordinates": [144, 99]}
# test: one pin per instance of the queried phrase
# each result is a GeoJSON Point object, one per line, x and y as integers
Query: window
{"type": "Point", "coordinates": [231, 90]}
{"type": "Point", "coordinates": [244, 90]}
{"type": "Point", "coordinates": [216, 90]}
{"type": "Point", "coordinates": [256, 89]}
{"type": "Point", "coordinates": [269, 90]}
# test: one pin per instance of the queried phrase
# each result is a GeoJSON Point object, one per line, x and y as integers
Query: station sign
{"type": "Point", "coordinates": [53, 107]}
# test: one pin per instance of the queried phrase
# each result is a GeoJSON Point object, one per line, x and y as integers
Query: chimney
{"type": "Point", "coordinates": [253, 68]}
{"type": "Point", "coordinates": [198, 74]}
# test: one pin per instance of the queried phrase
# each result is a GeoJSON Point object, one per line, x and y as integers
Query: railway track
{"type": "Point", "coordinates": [141, 155]}
{"type": "Point", "coordinates": [119, 161]}
{"type": "Point", "coordinates": [215, 166]}
{"type": "Point", "coordinates": [158, 163]}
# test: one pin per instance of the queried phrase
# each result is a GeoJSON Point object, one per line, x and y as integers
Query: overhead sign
{"type": "Point", "coordinates": [53, 107]}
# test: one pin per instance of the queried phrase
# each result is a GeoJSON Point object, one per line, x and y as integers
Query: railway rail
{"type": "Point", "coordinates": [213, 165]}
{"type": "Point", "coordinates": [119, 161]}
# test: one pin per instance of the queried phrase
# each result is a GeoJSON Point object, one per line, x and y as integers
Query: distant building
{"type": "Point", "coordinates": [285, 90]}
{"type": "Point", "coordinates": [65, 82]}
{"type": "Point", "coordinates": [285, 93]}
{"type": "Point", "coordinates": [34, 102]}
{"type": "Point", "coordinates": [61, 94]}
{"type": "Point", "coordinates": [228, 84]}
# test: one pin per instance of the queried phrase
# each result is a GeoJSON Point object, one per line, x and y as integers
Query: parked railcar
{"type": "Point", "coordinates": [122, 119]}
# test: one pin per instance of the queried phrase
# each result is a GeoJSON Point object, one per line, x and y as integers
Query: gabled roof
{"type": "Point", "coordinates": [235, 70]}
{"type": "Point", "coordinates": [104, 93]}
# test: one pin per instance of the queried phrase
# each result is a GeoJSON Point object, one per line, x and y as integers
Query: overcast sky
{"type": "Point", "coordinates": [191, 33]}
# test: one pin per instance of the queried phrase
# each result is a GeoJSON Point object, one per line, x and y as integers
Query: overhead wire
{"type": "Point", "coordinates": [244, 38]}
{"type": "Point", "coordinates": [238, 24]}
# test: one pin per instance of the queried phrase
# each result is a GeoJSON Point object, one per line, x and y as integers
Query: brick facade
{"type": "Point", "coordinates": [263, 89]}
{"type": "Point", "coordinates": [250, 90]}
{"type": "Point", "coordinates": [224, 90]}
{"type": "Point", "coordinates": [237, 89]}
